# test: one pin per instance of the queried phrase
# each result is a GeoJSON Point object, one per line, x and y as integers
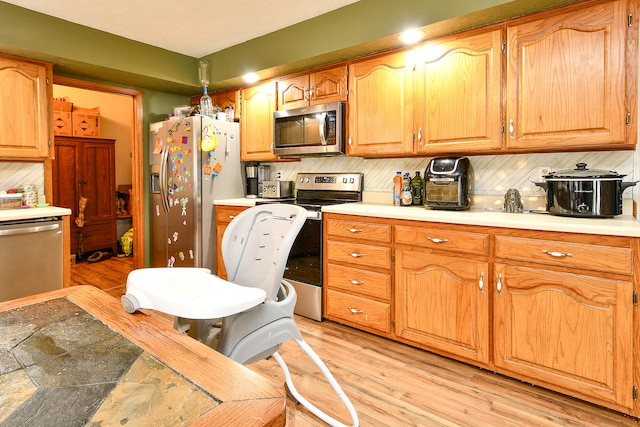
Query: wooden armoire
{"type": "Point", "coordinates": [85, 167]}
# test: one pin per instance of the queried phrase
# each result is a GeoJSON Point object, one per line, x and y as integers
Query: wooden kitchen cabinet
{"type": "Point", "coordinates": [256, 122]}
{"type": "Point", "coordinates": [26, 94]}
{"type": "Point", "coordinates": [441, 296]}
{"type": "Point", "coordinates": [318, 87]}
{"type": "Point", "coordinates": [566, 80]}
{"type": "Point", "coordinates": [86, 167]}
{"type": "Point", "coordinates": [566, 330]}
{"type": "Point", "coordinates": [223, 216]}
{"type": "Point", "coordinates": [357, 268]}
{"type": "Point", "coordinates": [563, 314]}
{"type": "Point", "coordinates": [381, 106]}
{"type": "Point", "coordinates": [224, 99]}
{"type": "Point", "coordinates": [457, 94]}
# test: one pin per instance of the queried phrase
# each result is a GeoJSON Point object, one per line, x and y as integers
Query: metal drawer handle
{"type": "Point", "coordinates": [355, 310]}
{"type": "Point", "coordinates": [481, 282]}
{"type": "Point", "coordinates": [356, 255]}
{"type": "Point", "coordinates": [556, 254]}
{"type": "Point", "coordinates": [355, 282]}
{"type": "Point", "coordinates": [231, 216]}
{"type": "Point", "coordinates": [499, 284]}
{"type": "Point", "coordinates": [436, 240]}
{"type": "Point", "coordinates": [354, 230]}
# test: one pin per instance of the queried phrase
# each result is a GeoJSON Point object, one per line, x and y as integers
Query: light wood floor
{"type": "Point", "coordinates": [392, 384]}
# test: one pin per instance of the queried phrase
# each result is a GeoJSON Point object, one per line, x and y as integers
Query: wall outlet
{"type": "Point", "coordinates": [542, 171]}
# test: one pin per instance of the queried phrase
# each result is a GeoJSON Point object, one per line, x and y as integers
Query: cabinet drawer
{"type": "Point", "coordinates": [358, 310]}
{"type": "Point", "coordinates": [571, 255]}
{"type": "Point", "coordinates": [459, 241]}
{"type": "Point", "coordinates": [359, 230]}
{"type": "Point", "coordinates": [224, 214]}
{"type": "Point", "coordinates": [360, 254]}
{"type": "Point", "coordinates": [358, 281]}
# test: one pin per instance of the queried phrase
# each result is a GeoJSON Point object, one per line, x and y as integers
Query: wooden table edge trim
{"type": "Point", "coordinates": [252, 391]}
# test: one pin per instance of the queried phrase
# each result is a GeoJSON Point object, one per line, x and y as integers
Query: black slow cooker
{"type": "Point", "coordinates": [583, 192]}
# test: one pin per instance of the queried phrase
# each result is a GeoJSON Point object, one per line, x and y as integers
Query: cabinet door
{"type": "Point", "coordinates": [25, 110]}
{"type": "Point", "coordinates": [256, 122]}
{"type": "Point", "coordinates": [457, 96]}
{"type": "Point", "coordinates": [566, 330]}
{"type": "Point", "coordinates": [224, 215]}
{"type": "Point", "coordinates": [566, 80]}
{"type": "Point", "coordinates": [66, 179]}
{"type": "Point", "coordinates": [441, 303]}
{"type": "Point", "coordinates": [328, 85]}
{"type": "Point", "coordinates": [98, 180]}
{"type": "Point", "coordinates": [293, 92]}
{"type": "Point", "coordinates": [381, 106]}
{"type": "Point", "coordinates": [226, 99]}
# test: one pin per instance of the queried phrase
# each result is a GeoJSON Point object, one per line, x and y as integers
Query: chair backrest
{"type": "Point", "coordinates": [257, 242]}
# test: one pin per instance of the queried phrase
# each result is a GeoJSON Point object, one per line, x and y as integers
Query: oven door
{"type": "Point", "coordinates": [304, 268]}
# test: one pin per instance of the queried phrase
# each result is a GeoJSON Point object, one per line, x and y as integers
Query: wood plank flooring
{"type": "Point", "coordinates": [392, 384]}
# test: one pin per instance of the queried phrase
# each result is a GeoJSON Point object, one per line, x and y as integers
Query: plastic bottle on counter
{"type": "Point", "coordinates": [206, 105]}
{"type": "Point", "coordinates": [407, 196]}
{"type": "Point", "coordinates": [397, 188]}
{"type": "Point", "coordinates": [417, 188]}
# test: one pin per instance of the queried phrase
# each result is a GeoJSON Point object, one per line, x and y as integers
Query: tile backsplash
{"type": "Point", "coordinates": [17, 174]}
{"type": "Point", "coordinates": [494, 175]}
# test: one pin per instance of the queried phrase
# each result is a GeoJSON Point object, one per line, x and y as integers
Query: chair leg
{"type": "Point", "coordinates": [332, 381]}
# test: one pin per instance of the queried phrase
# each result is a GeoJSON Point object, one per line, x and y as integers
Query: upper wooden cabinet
{"type": "Point", "coordinates": [441, 97]}
{"type": "Point", "coordinates": [316, 88]}
{"type": "Point", "coordinates": [26, 95]}
{"type": "Point", "coordinates": [226, 99]}
{"type": "Point", "coordinates": [381, 106]}
{"type": "Point", "coordinates": [258, 103]}
{"type": "Point", "coordinates": [566, 80]}
{"type": "Point", "coordinates": [457, 99]}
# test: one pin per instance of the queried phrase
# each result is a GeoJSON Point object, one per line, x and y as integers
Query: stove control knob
{"type": "Point", "coordinates": [351, 180]}
{"type": "Point", "coordinates": [344, 180]}
{"type": "Point", "coordinates": [306, 180]}
{"type": "Point", "coordinates": [301, 179]}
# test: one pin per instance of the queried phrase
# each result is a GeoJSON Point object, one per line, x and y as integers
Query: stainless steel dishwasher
{"type": "Point", "coordinates": [30, 257]}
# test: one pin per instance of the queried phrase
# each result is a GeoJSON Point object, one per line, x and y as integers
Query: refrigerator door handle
{"type": "Point", "coordinates": [163, 178]}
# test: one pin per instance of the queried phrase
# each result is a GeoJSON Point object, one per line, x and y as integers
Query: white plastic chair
{"type": "Point", "coordinates": [255, 304]}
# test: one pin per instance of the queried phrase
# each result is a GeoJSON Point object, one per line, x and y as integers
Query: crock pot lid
{"type": "Point", "coordinates": [581, 171]}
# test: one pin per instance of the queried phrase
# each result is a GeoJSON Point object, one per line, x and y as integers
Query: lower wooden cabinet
{"type": "Point", "coordinates": [554, 309]}
{"type": "Point", "coordinates": [566, 330]}
{"type": "Point", "coordinates": [223, 216]}
{"type": "Point", "coordinates": [441, 303]}
{"type": "Point", "coordinates": [357, 269]}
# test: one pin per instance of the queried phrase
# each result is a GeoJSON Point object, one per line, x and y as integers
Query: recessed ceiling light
{"type": "Point", "coordinates": [251, 77]}
{"type": "Point", "coordinates": [410, 36]}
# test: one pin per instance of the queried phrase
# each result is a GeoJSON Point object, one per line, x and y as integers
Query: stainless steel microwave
{"type": "Point", "coordinates": [315, 130]}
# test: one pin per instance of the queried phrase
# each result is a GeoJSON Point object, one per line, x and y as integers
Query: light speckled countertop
{"type": "Point", "coordinates": [32, 213]}
{"type": "Point", "coordinates": [622, 225]}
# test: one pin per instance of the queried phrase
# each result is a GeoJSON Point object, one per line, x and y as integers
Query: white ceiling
{"type": "Point", "coordinates": [192, 27]}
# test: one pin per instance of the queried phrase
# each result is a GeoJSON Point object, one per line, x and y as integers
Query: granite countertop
{"type": "Point", "coordinates": [32, 213]}
{"type": "Point", "coordinates": [74, 357]}
{"type": "Point", "coordinates": [622, 225]}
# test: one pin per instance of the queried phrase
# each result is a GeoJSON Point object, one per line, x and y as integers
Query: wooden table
{"type": "Point", "coordinates": [228, 393]}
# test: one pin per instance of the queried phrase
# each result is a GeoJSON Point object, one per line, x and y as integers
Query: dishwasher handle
{"type": "Point", "coordinates": [28, 230]}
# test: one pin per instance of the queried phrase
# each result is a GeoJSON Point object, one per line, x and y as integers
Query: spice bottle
{"type": "Point", "coordinates": [407, 196]}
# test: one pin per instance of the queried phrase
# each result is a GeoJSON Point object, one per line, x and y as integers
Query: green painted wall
{"type": "Point", "coordinates": [363, 27]}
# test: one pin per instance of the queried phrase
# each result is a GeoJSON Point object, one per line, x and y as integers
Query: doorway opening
{"type": "Point", "coordinates": [135, 154]}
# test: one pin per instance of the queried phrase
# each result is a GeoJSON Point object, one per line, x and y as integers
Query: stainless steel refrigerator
{"type": "Point", "coordinates": [193, 161]}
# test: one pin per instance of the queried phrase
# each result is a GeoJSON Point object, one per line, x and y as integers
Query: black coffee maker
{"type": "Point", "coordinates": [447, 183]}
{"type": "Point", "coordinates": [252, 182]}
